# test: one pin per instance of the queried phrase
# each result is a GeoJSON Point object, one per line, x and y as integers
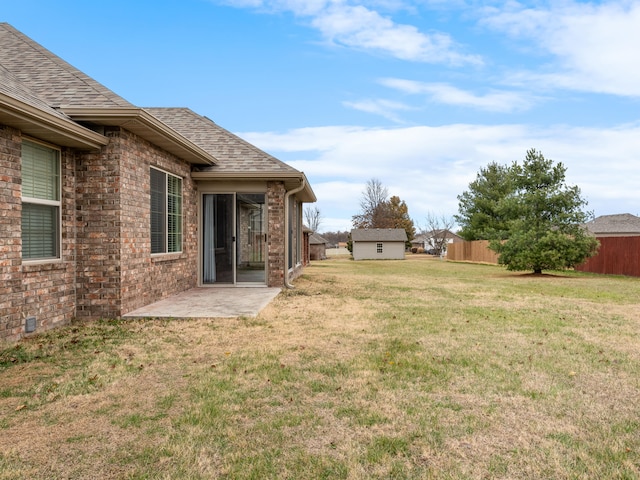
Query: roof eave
{"type": "Point", "coordinates": [50, 127]}
{"type": "Point", "coordinates": [291, 180]}
{"type": "Point", "coordinates": [145, 125]}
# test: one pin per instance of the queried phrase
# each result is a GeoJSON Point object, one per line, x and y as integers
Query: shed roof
{"type": "Point", "coordinates": [617, 223]}
{"type": "Point", "coordinates": [315, 239]}
{"type": "Point", "coordinates": [379, 235]}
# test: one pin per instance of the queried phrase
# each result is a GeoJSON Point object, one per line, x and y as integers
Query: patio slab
{"type": "Point", "coordinates": [216, 302]}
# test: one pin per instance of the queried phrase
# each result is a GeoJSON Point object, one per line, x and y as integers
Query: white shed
{"type": "Point", "coordinates": [378, 243]}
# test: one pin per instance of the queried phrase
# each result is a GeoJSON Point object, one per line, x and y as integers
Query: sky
{"type": "Point", "coordinates": [418, 94]}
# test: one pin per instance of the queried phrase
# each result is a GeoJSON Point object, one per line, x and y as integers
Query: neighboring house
{"type": "Point", "coordinates": [619, 238]}
{"type": "Point", "coordinates": [106, 206]}
{"type": "Point", "coordinates": [378, 243]}
{"type": "Point", "coordinates": [317, 247]}
{"type": "Point", "coordinates": [435, 241]}
{"type": "Point", "coordinates": [618, 225]}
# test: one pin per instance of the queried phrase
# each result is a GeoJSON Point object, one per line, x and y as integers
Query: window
{"type": "Point", "coordinates": [166, 212]}
{"type": "Point", "coordinates": [40, 201]}
{"type": "Point", "coordinates": [379, 248]}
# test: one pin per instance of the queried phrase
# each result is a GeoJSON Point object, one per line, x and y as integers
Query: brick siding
{"type": "Point", "coordinates": [106, 267]}
{"type": "Point", "coordinates": [10, 242]}
{"type": "Point", "coordinates": [44, 290]}
{"type": "Point", "coordinates": [117, 272]}
{"type": "Point", "coordinates": [275, 244]}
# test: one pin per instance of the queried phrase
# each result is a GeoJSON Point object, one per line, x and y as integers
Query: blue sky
{"type": "Point", "coordinates": [419, 94]}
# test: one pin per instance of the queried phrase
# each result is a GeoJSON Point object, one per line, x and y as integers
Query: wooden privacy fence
{"type": "Point", "coordinates": [476, 251]}
{"type": "Point", "coordinates": [616, 256]}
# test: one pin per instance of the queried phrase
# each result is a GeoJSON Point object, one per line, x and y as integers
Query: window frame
{"type": "Point", "coordinates": [54, 204]}
{"type": "Point", "coordinates": [167, 214]}
{"type": "Point", "coordinates": [379, 247]}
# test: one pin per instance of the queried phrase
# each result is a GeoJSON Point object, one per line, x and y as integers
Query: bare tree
{"type": "Point", "coordinates": [373, 206]}
{"type": "Point", "coordinates": [437, 233]}
{"type": "Point", "coordinates": [312, 218]}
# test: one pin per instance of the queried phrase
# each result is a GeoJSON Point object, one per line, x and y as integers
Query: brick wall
{"type": "Point", "coordinates": [146, 278]}
{"type": "Point", "coordinates": [98, 231]}
{"type": "Point", "coordinates": [45, 290]}
{"type": "Point", "coordinates": [10, 242]}
{"type": "Point", "coordinates": [276, 233]}
{"type": "Point", "coordinates": [117, 273]}
{"type": "Point", "coordinates": [106, 267]}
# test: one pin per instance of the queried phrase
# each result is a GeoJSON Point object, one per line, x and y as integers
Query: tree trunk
{"type": "Point", "coordinates": [537, 271]}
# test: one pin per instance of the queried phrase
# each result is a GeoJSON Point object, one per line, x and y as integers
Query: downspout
{"type": "Point", "coordinates": [286, 232]}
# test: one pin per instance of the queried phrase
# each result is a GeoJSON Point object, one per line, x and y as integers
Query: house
{"type": "Point", "coordinates": [619, 239]}
{"type": "Point", "coordinates": [618, 225]}
{"type": "Point", "coordinates": [317, 247]}
{"type": "Point", "coordinates": [106, 207]}
{"type": "Point", "coordinates": [378, 243]}
{"type": "Point", "coordinates": [435, 241]}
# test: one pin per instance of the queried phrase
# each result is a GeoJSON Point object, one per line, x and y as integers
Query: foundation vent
{"type": "Point", "coordinates": [30, 325]}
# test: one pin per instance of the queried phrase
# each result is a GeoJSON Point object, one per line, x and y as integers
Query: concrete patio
{"type": "Point", "coordinates": [218, 302]}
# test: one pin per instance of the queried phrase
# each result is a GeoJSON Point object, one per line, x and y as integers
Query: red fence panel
{"type": "Point", "coordinates": [616, 256]}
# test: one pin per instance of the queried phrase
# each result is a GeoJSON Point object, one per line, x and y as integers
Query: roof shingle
{"type": "Point", "coordinates": [50, 78]}
{"type": "Point", "coordinates": [618, 223]}
{"type": "Point", "coordinates": [235, 155]}
{"type": "Point", "coordinates": [379, 235]}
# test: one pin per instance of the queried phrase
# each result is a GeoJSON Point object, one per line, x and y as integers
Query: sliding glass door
{"type": "Point", "coordinates": [252, 237]}
{"type": "Point", "coordinates": [233, 238]}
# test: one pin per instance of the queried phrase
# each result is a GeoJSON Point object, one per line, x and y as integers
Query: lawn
{"type": "Point", "coordinates": [416, 369]}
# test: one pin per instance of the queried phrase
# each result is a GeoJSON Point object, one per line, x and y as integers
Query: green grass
{"type": "Point", "coordinates": [416, 369]}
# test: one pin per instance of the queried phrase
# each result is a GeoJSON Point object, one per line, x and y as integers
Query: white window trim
{"type": "Point", "coordinates": [168, 254]}
{"type": "Point", "coordinates": [50, 203]}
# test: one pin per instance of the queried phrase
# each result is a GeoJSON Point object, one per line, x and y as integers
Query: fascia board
{"type": "Point", "coordinates": [142, 123]}
{"type": "Point", "coordinates": [291, 179]}
{"type": "Point", "coordinates": [40, 123]}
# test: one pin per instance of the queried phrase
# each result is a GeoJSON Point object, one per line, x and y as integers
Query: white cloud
{"type": "Point", "coordinates": [384, 108]}
{"type": "Point", "coordinates": [360, 27]}
{"type": "Point", "coordinates": [595, 46]}
{"type": "Point", "coordinates": [494, 101]}
{"type": "Point", "coordinates": [429, 166]}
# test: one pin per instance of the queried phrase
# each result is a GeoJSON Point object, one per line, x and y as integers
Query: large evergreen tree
{"type": "Point", "coordinates": [538, 220]}
{"type": "Point", "coordinates": [479, 218]}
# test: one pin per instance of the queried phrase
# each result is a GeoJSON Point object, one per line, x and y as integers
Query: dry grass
{"type": "Point", "coordinates": [414, 369]}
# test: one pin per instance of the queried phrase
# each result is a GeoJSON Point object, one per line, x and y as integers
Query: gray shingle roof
{"type": "Point", "coordinates": [235, 155]}
{"type": "Point", "coordinates": [33, 75]}
{"type": "Point", "coordinates": [12, 87]}
{"type": "Point", "coordinates": [379, 235]}
{"type": "Point", "coordinates": [50, 78]}
{"type": "Point", "coordinates": [315, 239]}
{"type": "Point", "coordinates": [618, 223]}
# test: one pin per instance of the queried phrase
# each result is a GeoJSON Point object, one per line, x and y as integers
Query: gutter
{"type": "Point", "coordinates": [48, 124]}
{"type": "Point", "coordinates": [144, 124]}
{"type": "Point", "coordinates": [286, 231]}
